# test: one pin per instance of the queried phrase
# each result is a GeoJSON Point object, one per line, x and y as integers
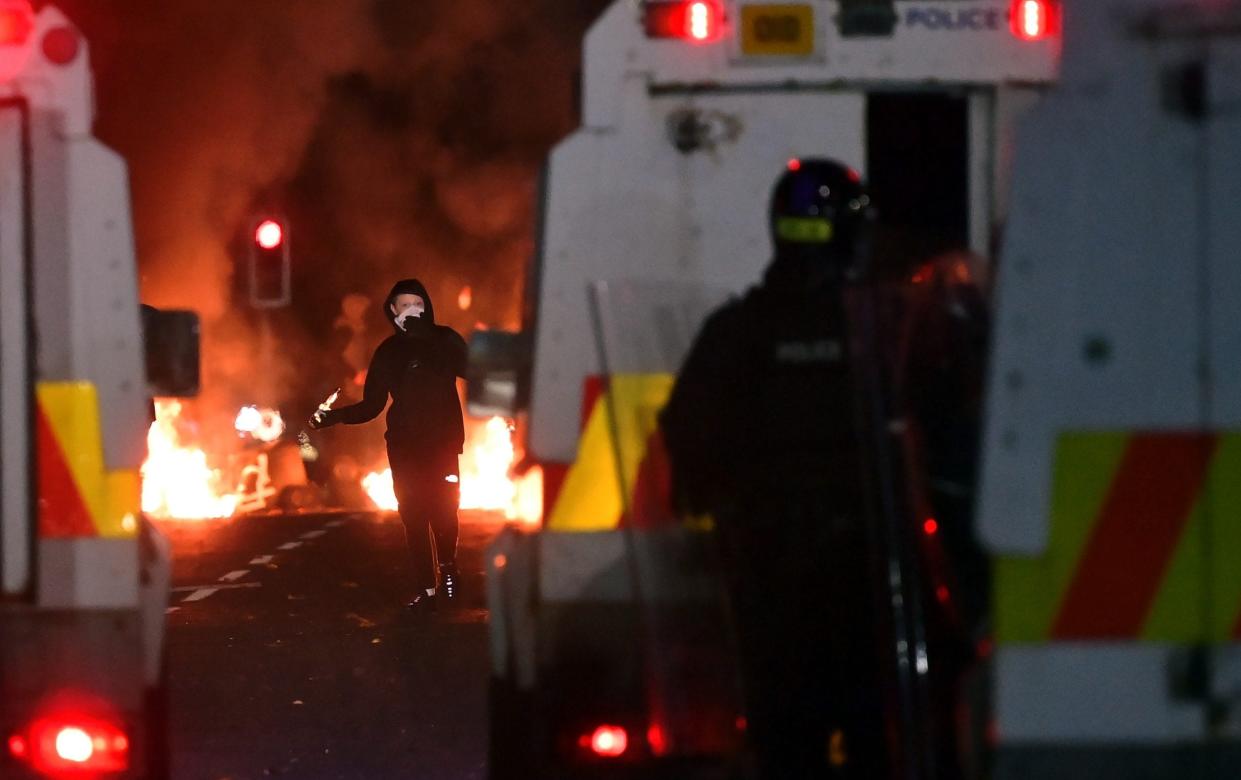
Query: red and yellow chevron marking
{"type": "Point", "coordinates": [591, 498]}
{"type": "Point", "coordinates": [78, 495]}
{"type": "Point", "coordinates": [1144, 536]}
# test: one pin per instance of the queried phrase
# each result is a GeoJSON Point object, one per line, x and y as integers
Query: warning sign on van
{"type": "Point", "coordinates": [777, 30]}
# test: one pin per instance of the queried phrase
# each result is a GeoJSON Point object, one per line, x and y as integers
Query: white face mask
{"type": "Point", "coordinates": [413, 309]}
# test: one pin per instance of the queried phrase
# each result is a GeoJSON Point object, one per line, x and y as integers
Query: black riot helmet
{"type": "Point", "coordinates": [822, 220]}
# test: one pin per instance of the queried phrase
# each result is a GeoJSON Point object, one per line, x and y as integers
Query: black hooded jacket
{"type": "Point", "coordinates": [418, 367]}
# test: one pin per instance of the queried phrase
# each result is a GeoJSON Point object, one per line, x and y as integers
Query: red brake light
{"type": "Point", "coordinates": [656, 738]}
{"type": "Point", "coordinates": [608, 741]}
{"type": "Point", "coordinates": [17, 746]}
{"type": "Point", "coordinates": [269, 234]}
{"type": "Point", "coordinates": [698, 20]}
{"type": "Point", "coordinates": [1034, 20]}
{"type": "Point", "coordinates": [54, 745]}
{"type": "Point", "coordinates": [931, 525]}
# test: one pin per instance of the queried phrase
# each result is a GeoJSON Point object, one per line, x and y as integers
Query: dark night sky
{"type": "Point", "coordinates": [403, 137]}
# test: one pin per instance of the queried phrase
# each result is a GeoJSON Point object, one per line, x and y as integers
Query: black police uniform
{"type": "Point", "coordinates": [762, 432]}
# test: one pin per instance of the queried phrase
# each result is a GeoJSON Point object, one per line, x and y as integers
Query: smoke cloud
{"type": "Point", "coordinates": [400, 138]}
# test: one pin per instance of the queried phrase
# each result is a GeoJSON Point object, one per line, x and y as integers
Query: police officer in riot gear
{"type": "Point", "coordinates": [762, 431]}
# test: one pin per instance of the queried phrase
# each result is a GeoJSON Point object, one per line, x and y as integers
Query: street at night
{"type": "Point", "coordinates": [295, 657]}
{"type": "Point", "coordinates": [620, 390]}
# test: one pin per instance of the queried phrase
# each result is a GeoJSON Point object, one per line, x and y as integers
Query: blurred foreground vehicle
{"type": "Point", "coordinates": [653, 213]}
{"type": "Point", "coordinates": [85, 578]}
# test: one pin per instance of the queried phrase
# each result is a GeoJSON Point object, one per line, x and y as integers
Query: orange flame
{"type": "Point", "coordinates": [177, 483]}
{"type": "Point", "coordinates": [485, 480]}
{"type": "Point", "coordinates": [378, 485]}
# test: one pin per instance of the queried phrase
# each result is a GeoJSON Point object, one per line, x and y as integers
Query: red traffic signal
{"type": "Point", "coordinates": [269, 234]}
{"type": "Point", "coordinates": [270, 272]}
{"type": "Point", "coordinates": [698, 21]}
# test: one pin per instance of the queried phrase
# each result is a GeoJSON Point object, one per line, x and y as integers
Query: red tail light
{"type": "Point", "coordinates": [1034, 20]}
{"type": "Point", "coordinates": [698, 21]}
{"type": "Point", "coordinates": [72, 744]}
{"type": "Point", "coordinates": [930, 526]}
{"type": "Point", "coordinates": [607, 741]}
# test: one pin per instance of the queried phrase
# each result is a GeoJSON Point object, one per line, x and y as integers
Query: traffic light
{"type": "Point", "coordinates": [270, 274]}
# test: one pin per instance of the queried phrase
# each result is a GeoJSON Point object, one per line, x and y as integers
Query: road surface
{"type": "Point", "coordinates": [291, 655]}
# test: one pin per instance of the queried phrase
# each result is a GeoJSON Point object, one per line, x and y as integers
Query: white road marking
{"type": "Point", "coordinates": [335, 524]}
{"type": "Point", "coordinates": [313, 534]}
{"type": "Point", "coordinates": [214, 588]}
{"type": "Point", "coordinates": [200, 594]}
{"type": "Point", "coordinates": [171, 610]}
{"type": "Point", "coordinates": [289, 545]}
{"type": "Point", "coordinates": [262, 560]}
{"type": "Point", "coordinates": [233, 576]}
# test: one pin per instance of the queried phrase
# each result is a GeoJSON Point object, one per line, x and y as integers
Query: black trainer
{"type": "Point", "coordinates": [422, 604]}
{"type": "Point", "coordinates": [448, 581]}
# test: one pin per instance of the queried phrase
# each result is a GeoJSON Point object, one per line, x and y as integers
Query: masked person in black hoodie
{"type": "Point", "coordinates": [418, 366]}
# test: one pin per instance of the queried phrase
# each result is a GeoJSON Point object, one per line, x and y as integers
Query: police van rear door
{"type": "Point", "coordinates": [16, 355]}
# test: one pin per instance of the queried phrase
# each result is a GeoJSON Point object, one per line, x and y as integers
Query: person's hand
{"type": "Point", "coordinates": [321, 419]}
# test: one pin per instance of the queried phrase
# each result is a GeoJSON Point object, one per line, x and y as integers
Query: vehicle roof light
{"type": "Point", "coordinates": [1035, 20]}
{"type": "Point", "coordinates": [16, 37]}
{"type": "Point", "coordinates": [698, 21]}
{"type": "Point", "coordinates": [16, 22]}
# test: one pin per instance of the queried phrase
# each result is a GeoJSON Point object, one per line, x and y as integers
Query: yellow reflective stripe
{"type": "Point", "coordinates": [72, 412]}
{"type": "Point", "coordinates": [1028, 591]}
{"type": "Point", "coordinates": [1176, 614]}
{"type": "Point", "coordinates": [124, 504]}
{"type": "Point", "coordinates": [637, 400]}
{"type": "Point", "coordinates": [590, 499]}
{"type": "Point", "coordinates": [1224, 522]}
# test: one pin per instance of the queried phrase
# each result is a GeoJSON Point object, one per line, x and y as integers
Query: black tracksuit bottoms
{"type": "Point", "coordinates": [427, 491]}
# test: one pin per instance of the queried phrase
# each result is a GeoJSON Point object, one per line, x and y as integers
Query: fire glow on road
{"type": "Point", "coordinates": [180, 484]}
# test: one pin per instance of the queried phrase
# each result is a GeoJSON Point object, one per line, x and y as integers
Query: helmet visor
{"type": "Point", "coordinates": [804, 230]}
